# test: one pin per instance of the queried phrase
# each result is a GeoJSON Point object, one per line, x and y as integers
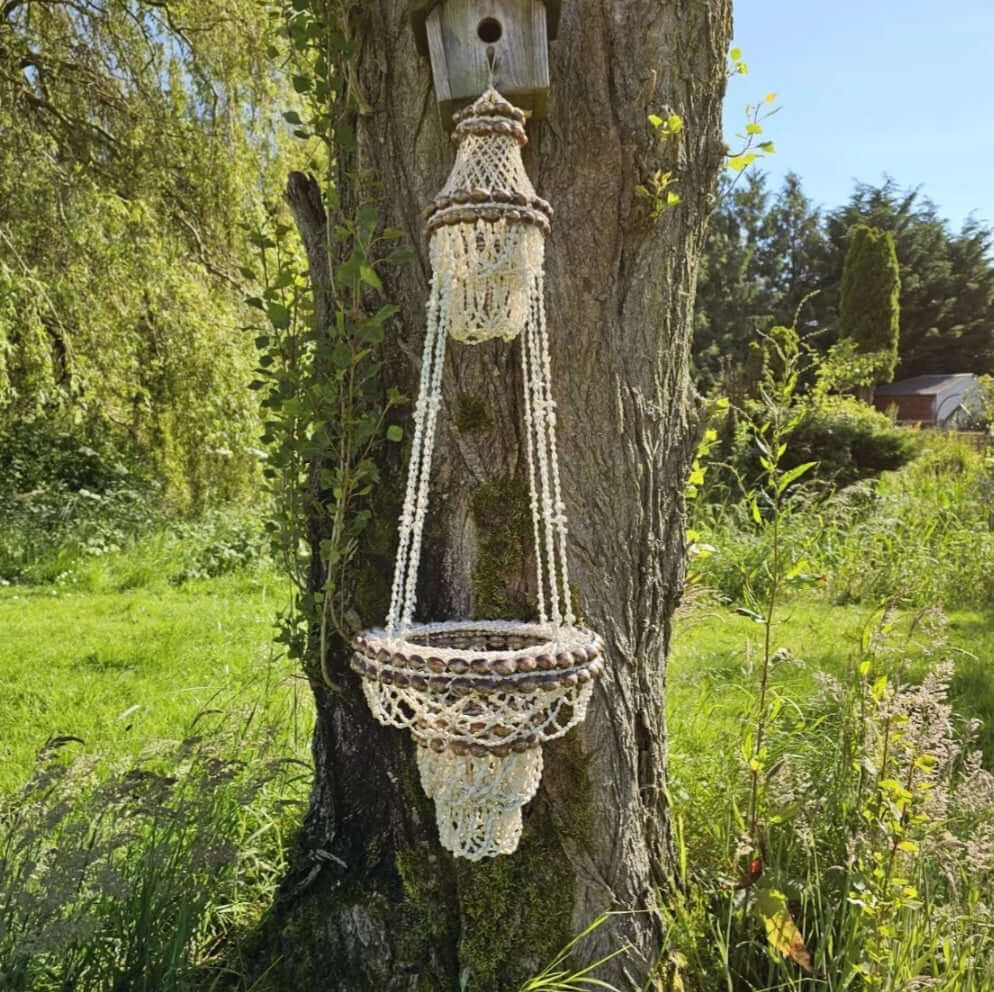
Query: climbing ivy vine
{"type": "Point", "coordinates": [328, 413]}
{"type": "Point", "coordinates": [660, 189]}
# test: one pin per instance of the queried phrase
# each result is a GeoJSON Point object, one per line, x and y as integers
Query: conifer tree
{"type": "Point", "coordinates": [868, 301]}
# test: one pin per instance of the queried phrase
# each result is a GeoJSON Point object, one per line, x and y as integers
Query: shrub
{"type": "Point", "coordinates": [219, 543]}
{"type": "Point", "coordinates": [849, 440]}
{"type": "Point", "coordinates": [66, 505]}
{"type": "Point", "coordinates": [62, 500]}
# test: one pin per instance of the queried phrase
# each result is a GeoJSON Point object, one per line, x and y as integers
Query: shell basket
{"type": "Point", "coordinates": [480, 698]}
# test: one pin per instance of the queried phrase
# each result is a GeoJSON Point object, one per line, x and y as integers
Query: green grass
{"type": "Point", "coordinates": [716, 653]}
{"type": "Point", "coordinates": [122, 669]}
{"type": "Point", "coordinates": [154, 764]}
{"type": "Point", "coordinates": [844, 674]}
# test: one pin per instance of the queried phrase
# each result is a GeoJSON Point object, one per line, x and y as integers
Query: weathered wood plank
{"type": "Point", "coordinates": [459, 56]}
{"type": "Point", "coordinates": [418, 11]}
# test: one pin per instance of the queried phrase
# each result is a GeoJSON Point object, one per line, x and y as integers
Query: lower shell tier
{"type": "Point", "coordinates": [480, 687]}
{"type": "Point", "coordinates": [480, 697]}
{"type": "Point", "coordinates": [478, 801]}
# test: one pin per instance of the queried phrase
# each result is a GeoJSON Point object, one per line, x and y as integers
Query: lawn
{"type": "Point", "coordinates": [133, 668]}
{"type": "Point", "coordinates": [120, 670]}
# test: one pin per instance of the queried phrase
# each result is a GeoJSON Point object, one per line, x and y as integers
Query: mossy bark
{"type": "Point", "coordinates": [372, 902]}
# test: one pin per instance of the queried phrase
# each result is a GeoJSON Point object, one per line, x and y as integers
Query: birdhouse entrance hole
{"type": "Point", "coordinates": [475, 44]}
{"type": "Point", "coordinates": [489, 30]}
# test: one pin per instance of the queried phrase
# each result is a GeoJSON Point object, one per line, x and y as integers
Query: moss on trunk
{"type": "Point", "coordinates": [502, 514]}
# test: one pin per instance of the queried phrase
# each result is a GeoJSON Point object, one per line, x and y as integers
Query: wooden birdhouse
{"type": "Point", "coordinates": [464, 38]}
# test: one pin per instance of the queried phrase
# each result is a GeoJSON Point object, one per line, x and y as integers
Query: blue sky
{"type": "Point", "coordinates": [873, 87]}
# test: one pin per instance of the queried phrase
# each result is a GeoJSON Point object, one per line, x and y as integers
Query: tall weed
{"type": "Point", "coordinates": [874, 824]}
{"type": "Point", "coordinates": [842, 841]}
{"type": "Point", "coordinates": [142, 879]}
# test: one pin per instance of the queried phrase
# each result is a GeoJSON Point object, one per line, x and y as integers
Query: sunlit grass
{"type": "Point", "coordinates": [121, 669]}
{"type": "Point", "coordinates": [715, 650]}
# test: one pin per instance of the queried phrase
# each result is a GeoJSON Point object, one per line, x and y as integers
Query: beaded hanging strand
{"type": "Point", "coordinates": [435, 387]}
{"type": "Point", "coordinates": [404, 591]}
{"type": "Point", "coordinates": [534, 500]}
{"type": "Point", "coordinates": [558, 507]}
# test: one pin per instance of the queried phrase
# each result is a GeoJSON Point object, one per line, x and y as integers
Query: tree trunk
{"type": "Point", "coordinates": [373, 902]}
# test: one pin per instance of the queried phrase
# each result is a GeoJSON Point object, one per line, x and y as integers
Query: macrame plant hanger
{"type": "Point", "coordinates": [481, 696]}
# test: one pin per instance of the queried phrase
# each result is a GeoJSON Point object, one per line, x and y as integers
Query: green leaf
{"type": "Point", "coordinates": [370, 332]}
{"type": "Point", "coordinates": [368, 275]}
{"type": "Point", "coordinates": [654, 120]}
{"type": "Point", "coordinates": [367, 219]}
{"type": "Point", "coordinates": [385, 313]}
{"type": "Point", "coordinates": [292, 117]}
{"type": "Point", "coordinates": [399, 256]}
{"type": "Point", "coordinates": [278, 315]}
{"type": "Point", "coordinates": [793, 475]}
{"type": "Point", "coordinates": [395, 433]}
{"type": "Point", "coordinates": [349, 270]}
{"type": "Point", "coordinates": [302, 83]}
{"type": "Point", "coordinates": [341, 355]}
{"type": "Point", "coordinates": [735, 54]}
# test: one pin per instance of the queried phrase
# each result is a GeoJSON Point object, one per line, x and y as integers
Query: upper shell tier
{"type": "Point", "coordinates": [488, 181]}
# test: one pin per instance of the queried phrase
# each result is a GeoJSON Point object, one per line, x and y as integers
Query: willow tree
{"type": "Point", "coordinates": [372, 901]}
{"type": "Point", "coordinates": [134, 137]}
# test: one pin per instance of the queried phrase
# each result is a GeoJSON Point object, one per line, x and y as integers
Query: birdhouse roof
{"type": "Point", "coordinates": [420, 9]}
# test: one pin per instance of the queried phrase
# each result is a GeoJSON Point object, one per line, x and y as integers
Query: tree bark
{"type": "Point", "coordinates": [373, 902]}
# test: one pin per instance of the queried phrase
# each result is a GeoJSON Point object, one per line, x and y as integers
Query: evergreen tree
{"type": "Point", "coordinates": [869, 297]}
{"type": "Point", "coordinates": [790, 254]}
{"type": "Point", "coordinates": [947, 280]}
{"type": "Point", "coordinates": [733, 297]}
{"type": "Point", "coordinates": [762, 258]}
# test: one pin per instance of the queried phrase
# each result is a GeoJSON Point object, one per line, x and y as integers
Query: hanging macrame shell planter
{"type": "Point", "coordinates": [480, 697]}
